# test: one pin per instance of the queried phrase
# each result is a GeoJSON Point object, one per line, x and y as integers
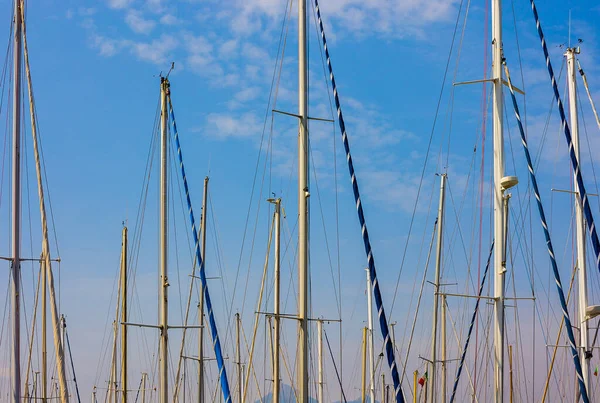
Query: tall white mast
{"type": "Point", "coordinates": [144, 377]}
{"type": "Point", "coordinates": [363, 378]}
{"type": "Point", "coordinates": [580, 224]}
{"type": "Point", "coordinates": [276, 298]}
{"type": "Point", "coordinates": [499, 268]}
{"type": "Point", "coordinates": [44, 333]}
{"type": "Point", "coordinates": [303, 194]}
{"type": "Point", "coordinates": [124, 316]}
{"type": "Point", "coordinates": [112, 383]}
{"type": "Point", "coordinates": [16, 208]}
{"type": "Point", "coordinates": [370, 337]}
{"type": "Point", "coordinates": [320, 398]}
{"type": "Point", "coordinates": [238, 354]}
{"type": "Point", "coordinates": [164, 282]}
{"type": "Point", "coordinates": [443, 361]}
{"type": "Point", "coordinates": [436, 286]}
{"type": "Point", "coordinates": [201, 305]}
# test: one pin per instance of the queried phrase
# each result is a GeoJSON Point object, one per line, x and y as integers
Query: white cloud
{"type": "Point", "coordinates": [199, 51]}
{"type": "Point", "coordinates": [223, 125]}
{"type": "Point", "coordinates": [119, 4]}
{"type": "Point", "coordinates": [202, 61]}
{"type": "Point", "coordinates": [81, 12]}
{"type": "Point", "coordinates": [247, 94]}
{"type": "Point", "coordinates": [396, 17]}
{"type": "Point", "coordinates": [106, 46]}
{"type": "Point", "coordinates": [155, 6]}
{"type": "Point", "coordinates": [198, 44]}
{"type": "Point", "coordinates": [159, 51]}
{"type": "Point", "coordinates": [169, 19]}
{"type": "Point", "coordinates": [86, 11]}
{"type": "Point", "coordinates": [228, 48]}
{"type": "Point", "coordinates": [138, 23]}
{"type": "Point", "coordinates": [252, 51]}
{"type": "Point", "coordinates": [243, 96]}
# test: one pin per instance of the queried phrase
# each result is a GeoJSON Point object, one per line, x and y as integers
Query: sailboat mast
{"type": "Point", "coordinates": [16, 208]}
{"type": "Point", "coordinates": [303, 194]}
{"type": "Point", "coordinates": [436, 286]}
{"type": "Point", "coordinates": [443, 361]}
{"type": "Point", "coordinates": [276, 297]}
{"type": "Point", "coordinates": [44, 333]}
{"type": "Point", "coordinates": [144, 377]}
{"type": "Point", "coordinates": [580, 224]}
{"type": "Point", "coordinates": [124, 316]}
{"type": "Point", "coordinates": [238, 354]}
{"type": "Point", "coordinates": [499, 269]}
{"type": "Point", "coordinates": [164, 282]}
{"type": "Point", "coordinates": [363, 388]}
{"type": "Point", "coordinates": [201, 305]}
{"type": "Point", "coordinates": [320, 398]}
{"type": "Point", "coordinates": [370, 337]}
{"type": "Point", "coordinates": [112, 383]}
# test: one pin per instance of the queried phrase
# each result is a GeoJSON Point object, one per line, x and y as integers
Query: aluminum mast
{"type": "Point", "coordinates": [164, 282]}
{"type": "Point", "coordinates": [499, 265]}
{"type": "Point", "coordinates": [436, 285]}
{"type": "Point", "coordinates": [303, 195]}
{"type": "Point", "coordinates": [276, 298]}
{"type": "Point", "coordinates": [201, 304]}
{"type": "Point", "coordinates": [16, 207]}
{"type": "Point", "coordinates": [580, 225]}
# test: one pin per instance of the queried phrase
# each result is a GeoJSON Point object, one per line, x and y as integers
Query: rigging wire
{"type": "Point", "coordinates": [574, 351]}
{"type": "Point", "coordinates": [337, 214]}
{"type": "Point", "coordinates": [410, 339]}
{"type": "Point", "coordinates": [365, 235]}
{"type": "Point", "coordinates": [473, 318]}
{"type": "Point", "coordinates": [271, 100]}
{"type": "Point", "coordinates": [426, 157]}
{"type": "Point", "coordinates": [213, 328]}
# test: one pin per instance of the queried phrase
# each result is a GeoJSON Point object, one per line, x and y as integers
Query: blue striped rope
{"type": "Point", "coordinates": [211, 318]}
{"type": "Point", "coordinates": [365, 234]}
{"type": "Point", "coordinates": [559, 288]}
{"type": "Point", "coordinates": [582, 193]}
{"type": "Point", "coordinates": [464, 352]}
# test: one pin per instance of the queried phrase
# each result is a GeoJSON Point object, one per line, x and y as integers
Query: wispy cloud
{"type": "Point", "coordinates": [156, 6]}
{"type": "Point", "coordinates": [80, 12]}
{"type": "Point", "coordinates": [225, 125]}
{"type": "Point", "coordinates": [119, 4]}
{"type": "Point", "coordinates": [169, 19]}
{"type": "Point", "coordinates": [159, 51]}
{"type": "Point", "coordinates": [105, 46]}
{"type": "Point", "coordinates": [398, 18]}
{"type": "Point", "coordinates": [138, 24]}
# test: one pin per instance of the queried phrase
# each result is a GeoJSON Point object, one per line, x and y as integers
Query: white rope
{"type": "Point", "coordinates": [587, 90]}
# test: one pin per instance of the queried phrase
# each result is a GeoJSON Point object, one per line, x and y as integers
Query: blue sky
{"type": "Point", "coordinates": [95, 68]}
